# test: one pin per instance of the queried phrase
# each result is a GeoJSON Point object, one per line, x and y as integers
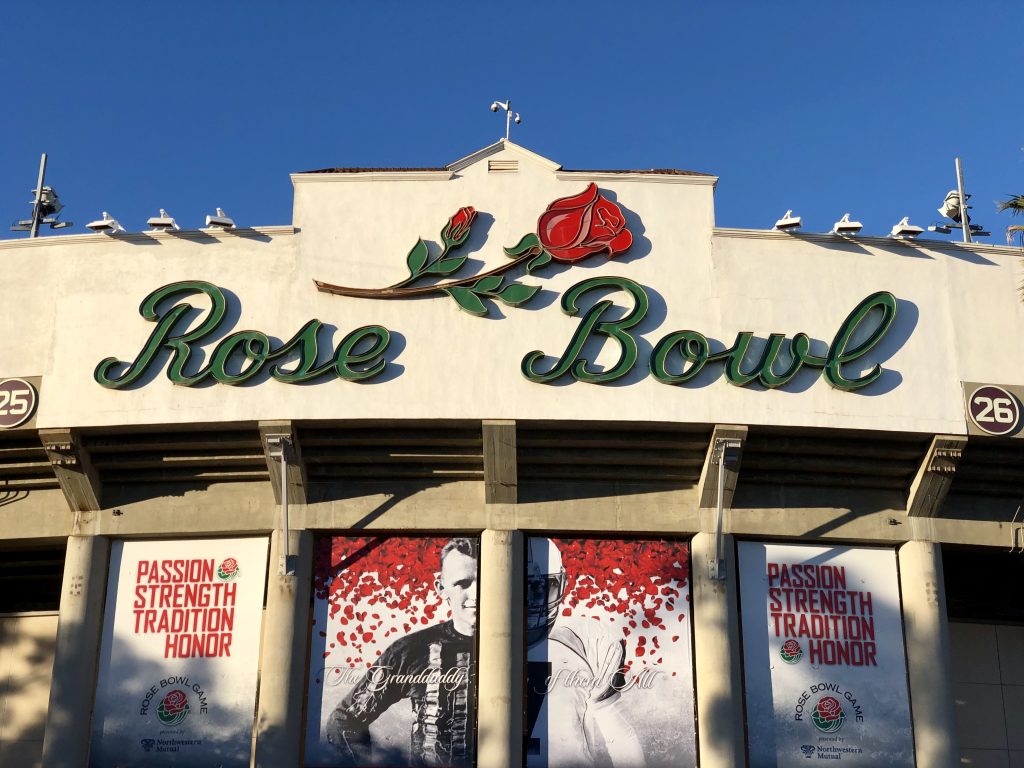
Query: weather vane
{"type": "Point", "coordinates": [507, 106]}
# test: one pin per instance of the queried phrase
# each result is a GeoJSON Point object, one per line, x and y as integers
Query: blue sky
{"type": "Point", "coordinates": [822, 107]}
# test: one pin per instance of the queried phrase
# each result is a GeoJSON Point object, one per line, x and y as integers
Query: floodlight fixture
{"type": "Point", "coordinates": [46, 207]}
{"type": "Point", "coordinates": [905, 230]}
{"type": "Point", "coordinates": [220, 220]}
{"type": "Point", "coordinates": [788, 223]}
{"type": "Point", "coordinates": [846, 227]}
{"type": "Point", "coordinates": [162, 223]}
{"type": "Point", "coordinates": [108, 225]}
{"type": "Point", "coordinates": [951, 206]}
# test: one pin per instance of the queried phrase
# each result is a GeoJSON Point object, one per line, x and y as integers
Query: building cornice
{"type": "Point", "coordinates": [307, 178]}
{"type": "Point", "coordinates": [878, 242]}
{"type": "Point", "coordinates": [145, 237]}
{"type": "Point", "coordinates": [645, 176]}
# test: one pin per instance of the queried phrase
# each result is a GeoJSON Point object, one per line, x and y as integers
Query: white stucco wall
{"type": "Point", "coordinates": [78, 297]}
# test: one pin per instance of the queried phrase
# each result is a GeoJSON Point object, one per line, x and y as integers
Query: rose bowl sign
{"type": "Point", "coordinates": [570, 230]}
{"type": "Point", "coordinates": [825, 670]}
{"type": "Point", "coordinates": [178, 661]}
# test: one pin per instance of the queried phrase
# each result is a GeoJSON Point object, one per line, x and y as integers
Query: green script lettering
{"type": "Point", "coordinates": [358, 356]}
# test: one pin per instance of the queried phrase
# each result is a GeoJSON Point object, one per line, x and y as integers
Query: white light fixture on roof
{"type": "Point", "coordinates": [846, 227]}
{"type": "Point", "coordinates": [220, 220]}
{"type": "Point", "coordinates": [107, 225]}
{"type": "Point", "coordinates": [905, 230]}
{"type": "Point", "coordinates": [788, 223]}
{"type": "Point", "coordinates": [163, 223]}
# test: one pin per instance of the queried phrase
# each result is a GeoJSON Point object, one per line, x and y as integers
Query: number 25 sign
{"type": "Point", "coordinates": [18, 400]}
{"type": "Point", "coordinates": [992, 410]}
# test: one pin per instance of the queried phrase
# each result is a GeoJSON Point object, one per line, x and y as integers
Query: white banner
{"type": "Point", "coordinates": [824, 663]}
{"type": "Point", "coordinates": [609, 664]}
{"type": "Point", "coordinates": [180, 654]}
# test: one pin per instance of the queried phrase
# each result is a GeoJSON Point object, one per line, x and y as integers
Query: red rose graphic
{"type": "Point", "coordinates": [828, 715]}
{"type": "Point", "coordinates": [175, 702]}
{"type": "Point", "coordinates": [229, 566]}
{"type": "Point", "coordinates": [456, 230]}
{"type": "Point", "coordinates": [572, 228]}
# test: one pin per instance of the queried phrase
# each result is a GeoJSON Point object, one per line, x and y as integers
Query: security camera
{"type": "Point", "coordinates": [494, 107]}
{"type": "Point", "coordinates": [518, 119]}
{"type": "Point", "coordinates": [107, 225]}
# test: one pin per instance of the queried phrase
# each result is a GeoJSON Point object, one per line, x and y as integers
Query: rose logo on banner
{"type": "Point", "coordinates": [174, 708]}
{"type": "Point", "coordinates": [791, 652]}
{"type": "Point", "coordinates": [228, 570]}
{"type": "Point", "coordinates": [828, 715]}
{"type": "Point", "coordinates": [572, 228]}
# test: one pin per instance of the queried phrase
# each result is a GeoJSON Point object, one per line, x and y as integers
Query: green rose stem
{"type": "Point", "coordinates": [396, 291]}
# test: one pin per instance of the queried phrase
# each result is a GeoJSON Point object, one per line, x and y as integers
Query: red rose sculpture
{"type": "Point", "coordinates": [572, 228]}
{"type": "Point", "coordinates": [457, 229]}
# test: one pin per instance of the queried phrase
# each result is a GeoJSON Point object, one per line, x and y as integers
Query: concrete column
{"type": "Point", "coordinates": [928, 656]}
{"type": "Point", "coordinates": [76, 655]}
{"type": "Point", "coordinates": [500, 709]}
{"type": "Point", "coordinates": [717, 649]}
{"type": "Point", "coordinates": [283, 663]}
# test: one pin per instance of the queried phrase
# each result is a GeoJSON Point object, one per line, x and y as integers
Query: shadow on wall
{"type": "Point", "coordinates": [26, 658]}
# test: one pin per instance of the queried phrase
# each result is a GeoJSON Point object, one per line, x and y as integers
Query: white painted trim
{"type": "Point", "coordinates": [826, 237]}
{"type": "Point", "coordinates": [650, 178]}
{"type": "Point", "coordinates": [144, 236]}
{"type": "Point", "coordinates": [308, 178]}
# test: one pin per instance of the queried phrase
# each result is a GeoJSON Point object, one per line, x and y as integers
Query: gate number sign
{"type": "Point", "coordinates": [994, 410]}
{"type": "Point", "coordinates": [18, 401]}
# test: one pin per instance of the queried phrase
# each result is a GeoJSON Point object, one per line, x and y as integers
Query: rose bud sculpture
{"type": "Point", "coordinates": [571, 229]}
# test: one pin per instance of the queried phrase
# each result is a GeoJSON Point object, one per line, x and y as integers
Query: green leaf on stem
{"type": "Point", "coordinates": [488, 284]}
{"type": "Point", "coordinates": [530, 244]}
{"type": "Point", "coordinates": [445, 266]}
{"type": "Point", "coordinates": [467, 300]}
{"type": "Point", "coordinates": [538, 261]}
{"type": "Point", "coordinates": [417, 257]}
{"type": "Point", "coordinates": [515, 294]}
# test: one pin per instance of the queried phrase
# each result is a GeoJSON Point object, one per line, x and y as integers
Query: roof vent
{"type": "Point", "coordinates": [502, 166]}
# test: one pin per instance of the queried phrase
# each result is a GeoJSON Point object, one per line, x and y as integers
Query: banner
{"type": "Point", "coordinates": [393, 659]}
{"type": "Point", "coordinates": [825, 669]}
{"type": "Point", "coordinates": [180, 653]}
{"type": "Point", "coordinates": [609, 654]}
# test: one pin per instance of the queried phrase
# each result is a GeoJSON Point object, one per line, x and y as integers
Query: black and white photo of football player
{"type": "Point", "coordinates": [432, 668]}
{"type": "Point", "coordinates": [575, 669]}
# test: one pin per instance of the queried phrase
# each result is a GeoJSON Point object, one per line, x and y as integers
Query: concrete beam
{"type": "Point", "coordinates": [76, 655]}
{"type": "Point", "coordinates": [285, 644]}
{"type": "Point", "coordinates": [502, 639]}
{"type": "Point", "coordinates": [716, 643]}
{"type": "Point", "coordinates": [297, 479]}
{"type": "Point", "coordinates": [935, 475]}
{"type": "Point", "coordinates": [929, 663]}
{"type": "Point", "coordinates": [709, 475]}
{"type": "Point", "coordinates": [73, 467]}
{"type": "Point", "coordinates": [501, 470]}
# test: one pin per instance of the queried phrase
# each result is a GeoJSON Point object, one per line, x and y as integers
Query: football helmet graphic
{"type": "Point", "coordinates": [545, 587]}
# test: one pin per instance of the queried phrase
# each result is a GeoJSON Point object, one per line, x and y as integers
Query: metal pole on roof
{"type": "Point", "coordinates": [39, 198]}
{"type": "Point", "coordinates": [964, 226]}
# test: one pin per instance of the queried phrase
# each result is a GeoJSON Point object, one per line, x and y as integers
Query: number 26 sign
{"type": "Point", "coordinates": [18, 400]}
{"type": "Point", "coordinates": [992, 410]}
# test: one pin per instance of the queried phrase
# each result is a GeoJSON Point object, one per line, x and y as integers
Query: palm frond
{"type": "Point", "coordinates": [1014, 204]}
{"type": "Point", "coordinates": [1013, 230]}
